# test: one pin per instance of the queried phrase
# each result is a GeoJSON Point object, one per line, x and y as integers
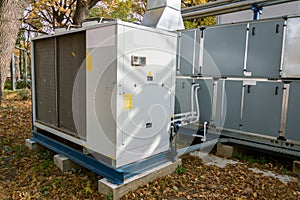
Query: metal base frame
{"type": "Point", "coordinates": [287, 148]}
{"type": "Point", "coordinates": [116, 176]}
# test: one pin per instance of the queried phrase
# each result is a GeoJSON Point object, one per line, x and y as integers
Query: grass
{"type": "Point", "coordinates": [252, 158]}
{"type": "Point", "coordinates": [180, 169]}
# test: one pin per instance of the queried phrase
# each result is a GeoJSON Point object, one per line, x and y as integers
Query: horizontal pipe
{"type": "Point", "coordinates": [183, 114]}
{"type": "Point", "coordinates": [208, 5]}
{"type": "Point", "coordinates": [197, 147]}
{"type": "Point", "coordinates": [202, 11]}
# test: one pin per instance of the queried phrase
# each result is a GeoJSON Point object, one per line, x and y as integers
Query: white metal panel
{"type": "Point", "coordinates": [291, 65]}
{"type": "Point", "coordinates": [145, 125]}
{"type": "Point", "coordinates": [101, 76]}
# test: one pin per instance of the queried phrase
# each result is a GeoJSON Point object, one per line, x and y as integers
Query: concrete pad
{"type": "Point", "coordinates": [64, 163]}
{"type": "Point", "coordinates": [283, 178]}
{"type": "Point", "coordinates": [224, 150]}
{"type": "Point", "coordinates": [117, 191]}
{"type": "Point", "coordinates": [30, 144]}
{"type": "Point", "coordinates": [208, 159]}
{"type": "Point", "coordinates": [296, 167]}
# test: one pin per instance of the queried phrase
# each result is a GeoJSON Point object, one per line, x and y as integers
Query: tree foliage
{"type": "Point", "coordinates": [43, 16]}
{"type": "Point", "coordinates": [196, 23]}
{"type": "Point", "coordinates": [126, 10]}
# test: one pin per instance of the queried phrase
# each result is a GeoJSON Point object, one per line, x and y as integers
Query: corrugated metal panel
{"type": "Point", "coordinates": [71, 52]}
{"type": "Point", "coordinates": [45, 81]}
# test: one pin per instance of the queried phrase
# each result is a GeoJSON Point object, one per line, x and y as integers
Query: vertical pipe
{"type": "Point", "coordinates": [194, 52]}
{"type": "Point", "coordinates": [25, 67]}
{"type": "Point", "coordinates": [201, 52]}
{"type": "Point", "coordinates": [242, 106]}
{"type": "Point", "coordinates": [179, 52]}
{"type": "Point", "coordinates": [285, 103]}
{"type": "Point", "coordinates": [283, 47]}
{"type": "Point", "coordinates": [13, 73]}
{"type": "Point", "coordinates": [246, 50]}
{"type": "Point", "coordinates": [257, 10]}
{"type": "Point", "coordinates": [20, 65]}
{"type": "Point", "coordinates": [214, 102]}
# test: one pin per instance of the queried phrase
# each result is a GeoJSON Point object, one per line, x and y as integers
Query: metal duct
{"type": "Point", "coordinates": [225, 6]}
{"type": "Point", "coordinates": [164, 14]}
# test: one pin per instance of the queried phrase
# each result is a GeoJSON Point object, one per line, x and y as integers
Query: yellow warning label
{"type": "Point", "coordinates": [150, 74]}
{"type": "Point", "coordinates": [127, 101]}
{"type": "Point", "coordinates": [89, 62]}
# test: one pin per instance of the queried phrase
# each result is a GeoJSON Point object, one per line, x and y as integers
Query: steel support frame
{"type": "Point", "coordinates": [114, 175]}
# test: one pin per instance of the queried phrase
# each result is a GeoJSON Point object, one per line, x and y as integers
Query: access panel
{"type": "Point", "coordinates": [262, 108]}
{"type": "Point", "coordinates": [205, 98]}
{"type": "Point", "coordinates": [224, 50]}
{"type": "Point", "coordinates": [265, 48]}
{"type": "Point", "coordinates": [292, 123]}
{"type": "Point", "coordinates": [233, 94]}
{"type": "Point", "coordinates": [189, 52]}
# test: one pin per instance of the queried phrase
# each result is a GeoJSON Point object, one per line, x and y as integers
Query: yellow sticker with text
{"type": "Point", "coordinates": [127, 101]}
{"type": "Point", "coordinates": [89, 62]}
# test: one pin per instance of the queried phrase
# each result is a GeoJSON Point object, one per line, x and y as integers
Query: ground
{"type": "Point", "coordinates": [26, 174]}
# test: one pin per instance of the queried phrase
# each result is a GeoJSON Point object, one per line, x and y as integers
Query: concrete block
{"type": "Point", "coordinates": [64, 163]}
{"type": "Point", "coordinates": [224, 150]}
{"type": "Point", "coordinates": [296, 167]}
{"type": "Point", "coordinates": [117, 191]}
{"type": "Point", "coordinates": [30, 144]}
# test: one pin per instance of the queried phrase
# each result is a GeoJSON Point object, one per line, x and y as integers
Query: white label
{"type": "Point", "coordinates": [249, 82]}
{"type": "Point", "coordinates": [248, 73]}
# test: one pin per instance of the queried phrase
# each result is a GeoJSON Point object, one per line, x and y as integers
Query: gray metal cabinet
{"type": "Point", "coordinates": [224, 50]}
{"type": "Point", "coordinates": [233, 92]}
{"type": "Point", "coordinates": [293, 119]}
{"type": "Point", "coordinates": [262, 108]}
{"type": "Point", "coordinates": [189, 51]}
{"type": "Point", "coordinates": [265, 48]}
{"type": "Point", "coordinates": [183, 95]}
{"type": "Point", "coordinates": [205, 97]}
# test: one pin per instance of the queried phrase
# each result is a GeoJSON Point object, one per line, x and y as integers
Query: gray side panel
{"type": "Point", "coordinates": [233, 103]}
{"type": "Point", "coordinates": [183, 95]}
{"type": "Point", "coordinates": [262, 108]}
{"type": "Point", "coordinates": [224, 50]}
{"type": "Point", "coordinates": [220, 103]}
{"type": "Point", "coordinates": [105, 94]}
{"type": "Point", "coordinates": [265, 46]}
{"type": "Point", "coordinates": [189, 51]}
{"type": "Point", "coordinates": [71, 50]}
{"type": "Point", "coordinates": [45, 81]}
{"type": "Point", "coordinates": [205, 97]}
{"type": "Point", "coordinates": [293, 120]}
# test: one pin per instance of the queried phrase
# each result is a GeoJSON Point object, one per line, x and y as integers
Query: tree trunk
{"type": "Point", "coordinates": [11, 13]}
{"type": "Point", "coordinates": [82, 10]}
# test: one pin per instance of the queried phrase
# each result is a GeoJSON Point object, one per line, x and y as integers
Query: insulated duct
{"type": "Point", "coordinates": [164, 14]}
{"type": "Point", "coordinates": [226, 6]}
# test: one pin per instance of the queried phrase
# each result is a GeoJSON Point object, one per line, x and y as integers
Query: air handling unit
{"type": "Point", "coordinates": [108, 88]}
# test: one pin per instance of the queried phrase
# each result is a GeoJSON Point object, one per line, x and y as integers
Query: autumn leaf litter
{"type": "Point", "coordinates": [26, 174]}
